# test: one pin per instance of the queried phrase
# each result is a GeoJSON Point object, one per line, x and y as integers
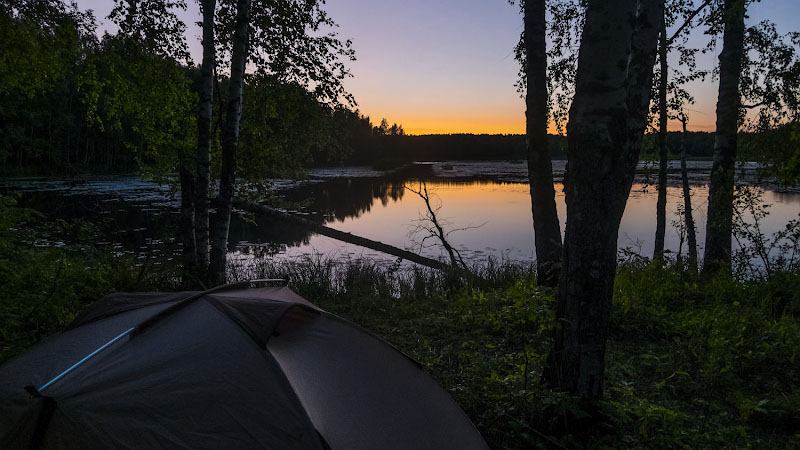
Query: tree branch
{"type": "Point", "coordinates": [687, 22]}
{"type": "Point", "coordinates": [755, 105]}
{"type": "Point", "coordinates": [438, 231]}
{"type": "Point", "coordinates": [341, 235]}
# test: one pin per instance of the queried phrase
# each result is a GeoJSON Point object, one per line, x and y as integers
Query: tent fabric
{"type": "Point", "coordinates": [241, 369]}
{"type": "Point", "coordinates": [332, 364]}
{"type": "Point", "coordinates": [120, 302]}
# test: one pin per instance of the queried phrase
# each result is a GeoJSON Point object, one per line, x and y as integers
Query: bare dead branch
{"type": "Point", "coordinates": [433, 226]}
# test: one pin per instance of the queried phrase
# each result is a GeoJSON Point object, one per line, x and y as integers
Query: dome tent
{"type": "Point", "coordinates": [230, 368]}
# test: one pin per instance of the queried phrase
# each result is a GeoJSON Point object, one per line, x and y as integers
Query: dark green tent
{"type": "Point", "coordinates": [236, 368]}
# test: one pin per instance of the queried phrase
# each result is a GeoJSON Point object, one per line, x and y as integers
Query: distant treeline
{"type": "Point", "coordinates": [771, 146]}
{"type": "Point", "coordinates": [442, 147]}
{"type": "Point", "coordinates": [500, 146]}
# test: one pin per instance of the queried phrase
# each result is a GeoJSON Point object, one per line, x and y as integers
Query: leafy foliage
{"type": "Point", "coordinates": [40, 41]}
{"type": "Point", "coordinates": [285, 129]}
{"type": "Point", "coordinates": [42, 46]}
{"type": "Point", "coordinates": [565, 19]}
{"type": "Point", "coordinates": [70, 102]}
{"type": "Point", "coordinates": [715, 357]}
{"type": "Point", "coordinates": [770, 80]}
{"type": "Point", "coordinates": [295, 42]}
{"type": "Point", "coordinates": [141, 100]}
{"type": "Point", "coordinates": [760, 256]}
{"type": "Point", "coordinates": [154, 26]}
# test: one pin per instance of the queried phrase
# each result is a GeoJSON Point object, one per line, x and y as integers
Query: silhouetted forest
{"type": "Point", "coordinates": [439, 147]}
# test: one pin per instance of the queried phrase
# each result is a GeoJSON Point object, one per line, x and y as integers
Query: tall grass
{"type": "Point", "coordinates": [319, 275]}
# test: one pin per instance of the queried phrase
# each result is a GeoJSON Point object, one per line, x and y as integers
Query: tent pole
{"type": "Point", "coordinates": [85, 358]}
{"type": "Point", "coordinates": [243, 284]}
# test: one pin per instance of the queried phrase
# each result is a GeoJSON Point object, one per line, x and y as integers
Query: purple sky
{"type": "Point", "coordinates": [447, 66]}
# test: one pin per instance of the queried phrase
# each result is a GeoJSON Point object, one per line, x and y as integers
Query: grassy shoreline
{"type": "Point", "coordinates": [691, 363]}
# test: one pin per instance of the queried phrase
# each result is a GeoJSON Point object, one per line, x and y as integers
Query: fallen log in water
{"type": "Point", "coordinates": [340, 235]}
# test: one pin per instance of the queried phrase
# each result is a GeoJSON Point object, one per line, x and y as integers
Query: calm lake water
{"type": "Point", "coordinates": [486, 203]}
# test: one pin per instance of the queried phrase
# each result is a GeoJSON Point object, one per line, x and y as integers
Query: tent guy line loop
{"type": "Point", "coordinates": [241, 284]}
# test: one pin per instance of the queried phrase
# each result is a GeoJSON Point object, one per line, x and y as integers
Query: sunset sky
{"type": "Point", "coordinates": [447, 66]}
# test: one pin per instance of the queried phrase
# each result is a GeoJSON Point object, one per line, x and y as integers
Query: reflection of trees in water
{"type": "Point", "coordinates": [789, 197]}
{"type": "Point", "coordinates": [337, 200]}
{"type": "Point", "coordinates": [264, 235]}
{"type": "Point", "coordinates": [331, 201]}
{"type": "Point", "coordinates": [143, 224]}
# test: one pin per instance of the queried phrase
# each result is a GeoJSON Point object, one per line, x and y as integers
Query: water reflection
{"type": "Point", "coordinates": [381, 209]}
{"type": "Point", "coordinates": [503, 211]}
{"type": "Point", "coordinates": [338, 200]}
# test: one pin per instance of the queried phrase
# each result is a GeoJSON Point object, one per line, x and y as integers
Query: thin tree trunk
{"type": "Point", "coordinates": [547, 230]}
{"type": "Point", "coordinates": [687, 205]}
{"type": "Point", "coordinates": [606, 125]}
{"type": "Point", "coordinates": [720, 193]}
{"type": "Point", "coordinates": [187, 222]}
{"type": "Point", "coordinates": [661, 204]}
{"type": "Point", "coordinates": [204, 117]}
{"type": "Point", "coordinates": [230, 140]}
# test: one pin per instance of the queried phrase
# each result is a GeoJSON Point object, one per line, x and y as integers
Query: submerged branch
{"type": "Point", "coordinates": [341, 235]}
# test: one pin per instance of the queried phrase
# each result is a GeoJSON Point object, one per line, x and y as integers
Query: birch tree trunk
{"type": "Point", "coordinates": [661, 203]}
{"type": "Point", "coordinates": [687, 205]}
{"type": "Point", "coordinates": [720, 193]}
{"type": "Point", "coordinates": [204, 117]}
{"type": "Point", "coordinates": [230, 141]}
{"type": "Point", "coordinates": [187, 220]}
{"type": "Point", "coordinates": [606, 125]}
{"type": "Point", "coordinates": [547, 230]}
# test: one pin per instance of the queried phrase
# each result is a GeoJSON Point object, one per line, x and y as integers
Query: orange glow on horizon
{"type": "Point", "coordinates": [462, 124]}
{"type": "Point", "coordinates": [499, 125]}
